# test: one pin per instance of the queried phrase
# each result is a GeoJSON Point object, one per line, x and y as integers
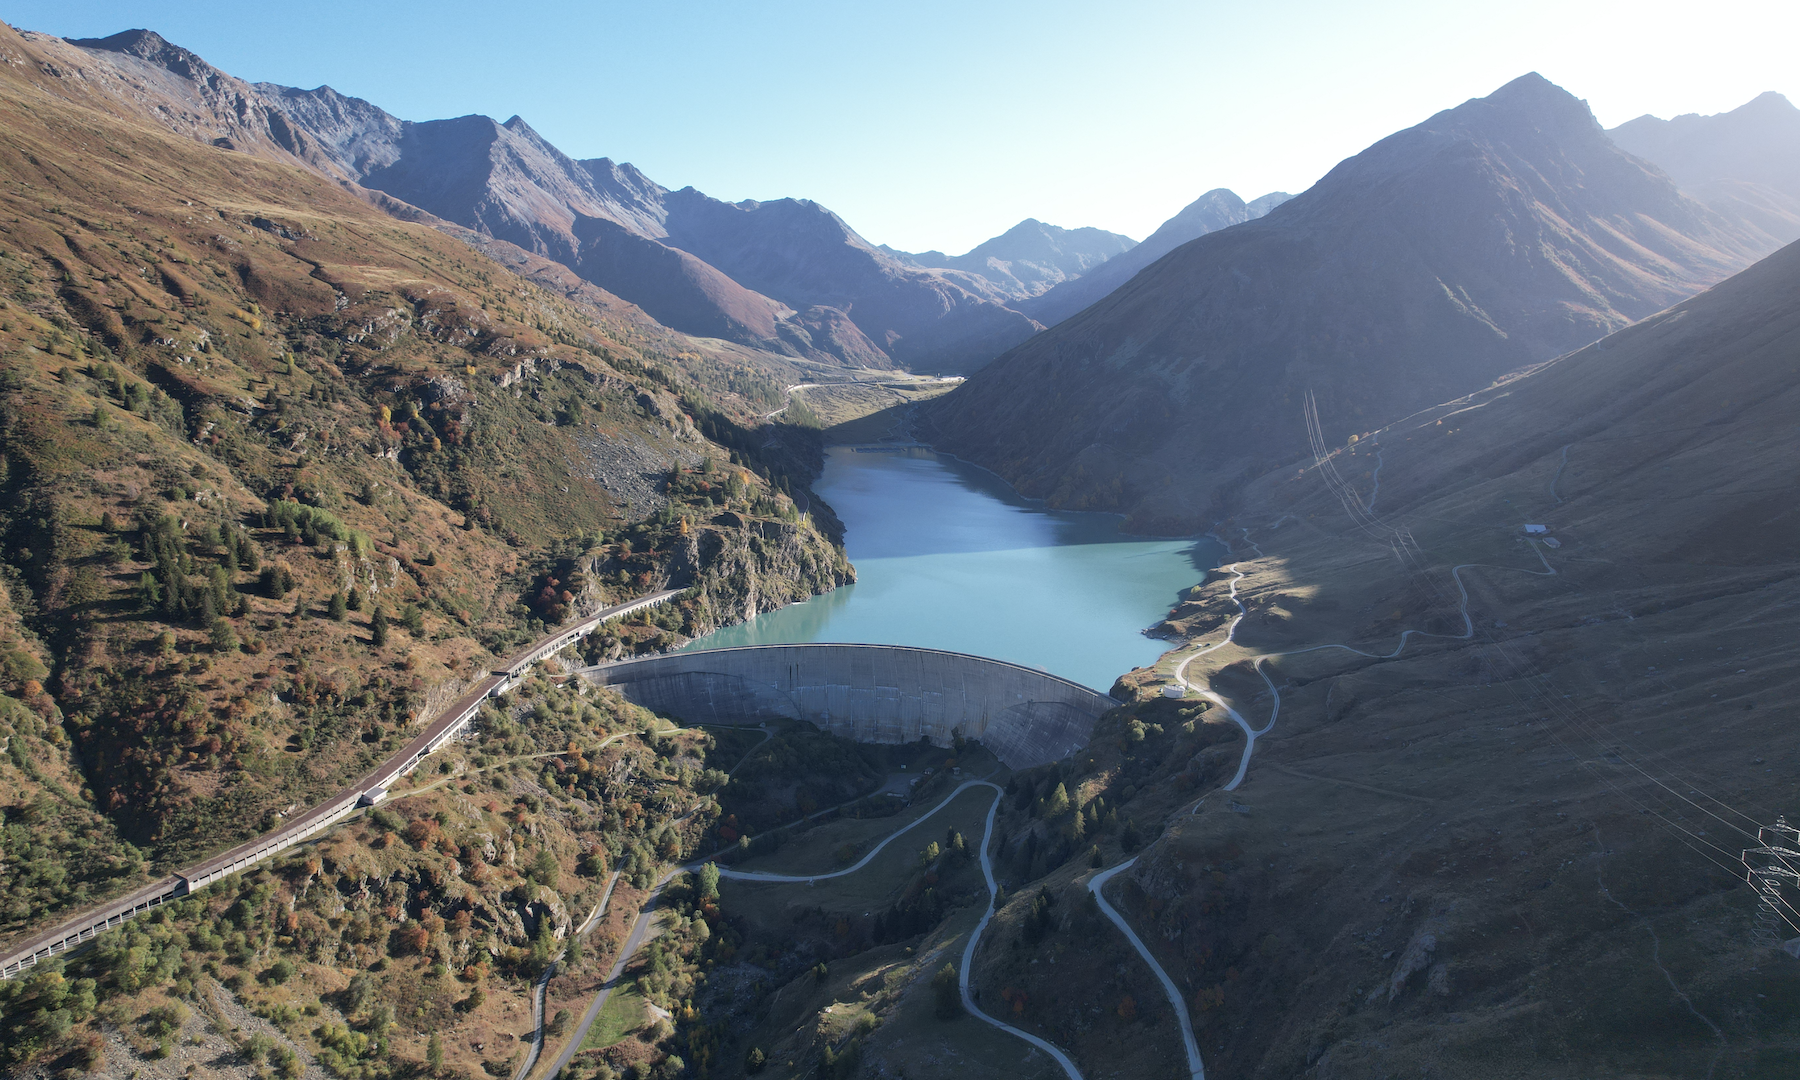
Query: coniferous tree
{"type": "Point", "coordinates": [355, 600]}
{"type": "Point", "coordinates": [149, 593]}
{"type": "Point", "coordinates": [947, 992]}
{"type": "Point", "coordinates": [224, 638]}
{"type": "Point", "coordinates": [338, 608]}
{"type": "Point", "coordinates": [378, 627]}
{"type": "Point", "coordinates": [275, 581]}
{"type": "Point", "coordinates": [1130, 840]}
{"type": "Point", "coordinates": [219, 581]}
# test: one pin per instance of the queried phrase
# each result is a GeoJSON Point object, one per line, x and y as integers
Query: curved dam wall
{"type": "Point", "coordinates": [870, 693]}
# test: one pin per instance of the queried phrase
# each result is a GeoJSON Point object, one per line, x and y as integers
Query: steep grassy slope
{"type": "Point", "coordinates": [1512, 848]}
{"type": "Point", "coordinates": [280, 472]}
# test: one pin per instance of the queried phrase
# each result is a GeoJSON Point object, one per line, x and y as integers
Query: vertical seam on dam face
{"type": "Point", "coordinates": [871, 693]}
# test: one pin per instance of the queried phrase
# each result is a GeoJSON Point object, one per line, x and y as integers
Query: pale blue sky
{"type": "Point", "coordinates": [938, 123]}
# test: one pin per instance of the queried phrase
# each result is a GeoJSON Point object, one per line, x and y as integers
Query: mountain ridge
{"type": "Point", "coordinates": [1491, 236]}
{"type": "Point", "coordinates": [1745, 162]}
{"type": "Point", "coordinates": [1217, 209]}
{"type": "Point", "coordinates": [1029, 258]}
{"type": "Point", "coordinates": [605, 220]}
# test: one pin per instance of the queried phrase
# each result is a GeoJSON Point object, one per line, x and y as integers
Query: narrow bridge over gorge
{"type": "Point", "coordinates": [871, 693]}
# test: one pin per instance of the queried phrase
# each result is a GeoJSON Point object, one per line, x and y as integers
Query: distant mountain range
{"type": "Point", "coordinates": [787, 276]}
{"type": "Point", "coordinates": [1745, 162]}
{"type": "Point", "coordinates": [1490, 237]}
{"type": "Point", "coordinates": [1028, 258]}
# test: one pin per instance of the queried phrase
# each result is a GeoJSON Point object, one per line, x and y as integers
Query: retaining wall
{"type": "Point", "coordinates": [871, 693]}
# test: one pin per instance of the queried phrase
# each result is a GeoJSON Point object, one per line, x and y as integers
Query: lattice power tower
{"type": "Point", "coordinates": [1771, 868]}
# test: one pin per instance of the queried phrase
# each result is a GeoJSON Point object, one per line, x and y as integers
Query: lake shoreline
{"type": "Point", "coordinates": [950, 556]}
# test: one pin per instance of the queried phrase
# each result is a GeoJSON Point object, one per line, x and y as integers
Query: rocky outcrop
{"type": "Point", "coordinates": [139, 73]}
{"type": "Point", "coordinates": [743, 568]}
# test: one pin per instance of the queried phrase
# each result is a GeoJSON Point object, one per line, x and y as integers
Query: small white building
{"type": "Point", "coordinates": [1536, 530]}
{"type": "Point", "coordinates": [1174, 690]}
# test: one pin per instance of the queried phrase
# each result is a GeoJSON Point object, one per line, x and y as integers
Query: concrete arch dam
{"type": "Point", "coordinates": [870, 693]}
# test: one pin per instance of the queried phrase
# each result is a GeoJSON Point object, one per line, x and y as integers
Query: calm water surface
{"type": "Point", "coordinates": [950, 557]}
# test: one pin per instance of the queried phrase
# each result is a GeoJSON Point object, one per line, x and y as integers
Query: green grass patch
{"type": "Point", "coordinates": [625, 1011]}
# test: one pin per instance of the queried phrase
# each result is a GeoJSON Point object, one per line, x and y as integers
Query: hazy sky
{"type": "Point", "coordinates": [934, 124]}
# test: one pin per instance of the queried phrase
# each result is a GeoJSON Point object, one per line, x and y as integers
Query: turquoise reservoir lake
{"type": "Point", "coordinates": [948, 556]}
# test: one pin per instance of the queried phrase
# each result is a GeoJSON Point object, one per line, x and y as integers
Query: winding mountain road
{"type": "Point", "coordinates": [640, 928]}
{"type": "Point", "coordinates": [1097, 885]}
{"type": "Point", "coordinates": [1196, 1067]}
{"type": "Point", "coordinates": [745, 875]}
{"type": "Point", "coordinates": [968, 957]}
{"type": "Point", "coordinates": [1251, 734]}
{"type": "Point", "coordinates": [1560, 466]}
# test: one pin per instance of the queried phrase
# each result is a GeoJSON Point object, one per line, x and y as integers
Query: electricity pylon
{"type": "Point", "coordinates": [1769, 867]}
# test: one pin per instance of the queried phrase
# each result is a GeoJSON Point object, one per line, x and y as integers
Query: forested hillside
{"type": "Point", "coordinates": [280, 473]}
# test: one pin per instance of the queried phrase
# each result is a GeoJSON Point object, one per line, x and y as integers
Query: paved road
{"type": "Point", "coordinates": [635, 941]}
{"type": "Point", "coordinates": [968, 957]}
{"type": "Point", "coordinates": [1251, 734]}
{"type": "Point", "coordinates": [537, 1013]}
{"type": "Point", "coordinates": [537, 1039]}
{"type": "Point", "coordinates": [1196, 1069]}
{"type": "Point", "coordinates": [745, 875]}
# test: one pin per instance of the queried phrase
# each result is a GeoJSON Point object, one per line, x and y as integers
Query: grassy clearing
{"type": "Point", "coordinates": [831, 847]}
{"type": "Point", "coordinates": [863, 412]}
{"type": "Point", "coordinates": [626, 1010]}
{"type": "Point", "coordinates": [854, 897]}
{"type": "Point", "coordinates": [882, 1000]}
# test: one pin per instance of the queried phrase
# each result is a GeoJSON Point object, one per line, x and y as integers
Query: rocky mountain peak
{"type": "Point", "coordinates": [1506, 230]}
{"type": "Point", "coordinates": [358, 136]}
{"type": "Point", "coordinates": [1217, 209]}
{"type": "Point", "coordinates": [1026, 260]}
{"type": "Point", "coordinates": [147, 45]}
